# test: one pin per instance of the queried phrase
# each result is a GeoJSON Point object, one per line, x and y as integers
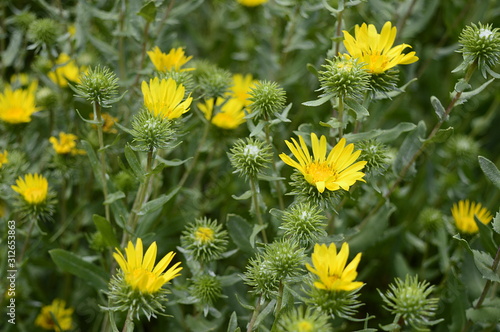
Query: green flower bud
{"type": "Point", "coordinates": [342, 304]}
{"type": "Point", "coordinates": [44, 31]}
{"type": "Point", "coordinates": [124, 181]}
{"type": "Point", "coordinates": [430, 219]}
{"type": "Point", "coordinates": [181, 77]}
{"type": "Point", "coordinates": [213, 81]}
{"type": "Point", "coordinates": [304, 223]}
{"type": "Point", "coordinates": [385, 81]}
{"type": "Point", "coordinates": [267, 98]}
{"type": "Point", "coordinates": [204, 239]}
{"type": "Point", "coordinates": [344, 78]}
{"type": "Point", "coordinates": [304, 320]}
{"type": "Point", "coordinates": [46, 98]}
{"type": "Point", "coordinates": [248, 157]}
{"type": "Point", "coordinates": [409, 301]}
{"type": "Point", "coordinates": [24, 20]}
{"type": "Point", "coordinates": [98, 85]}
{"type": "Point", "coordinates": [97, 242]}
{"type": "Point", "coordinates": [206, 288]}
{"type": "Point", "coordinates": [307, 193]}
{"type": "Point", "coordinates": [375, 154]}
{"type": "Point", "coordinates": [480, 45]}
{"type": "Point", "coordinates": [152, 132]}
{"type": "Point", "coordinates": [463, 149]}
{"type": "Point", "coordinates": [262, 280]}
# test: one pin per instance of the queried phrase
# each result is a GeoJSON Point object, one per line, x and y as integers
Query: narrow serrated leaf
{"type": "Point", "coordinates": [246, 195]}
{"type": "Point", "coordinates": [134, 163]}
{"type": "Point", "coordinates": [157, 203]}
{"type": "Point", "coordinates": [438, 108]}
{"type": "Point", "coordinates": [318, 102]}
{"type": "Point", "coordinates": [490, 170]}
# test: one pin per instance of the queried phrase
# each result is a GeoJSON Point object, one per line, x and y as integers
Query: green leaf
{"type": "Point", "coordinates": [256, 130]}
{"type": "Point", "coordinates": [488, 312]}
{"type": "Point", "coordinates": [382, 135]}
{"type": "Point", "coordinates": [373, 230]}
{"type": "Point", "coordinates": [462, 85]}
{"type": "Point", "coordinates": [359, 109]}
{"type": "Point", "coordinates": [268, 309]}
{"type": "Point", "coordinates": [256, 230]}
{"type": "Point", "coordinates": [310, 67]}
{"type": "Point", "coordinates": [173, 162]}
{"type": "Point", "coordinates": [246, 195]}
{"type": "Point", "coordinates": [394, 93]}
{"type": "Point", "coordinates": [148, 11]}
{"type": "Point", "coordinates": [320, 101]}
{"type": "Point", "coordinates": [439, 109]}
{"type": "Point", "coordinates": [441, 136]}
{"type": "Point", "coordinates": [496, 223]}
{"type": "Point", "coordinates": [233, 323]}
{"type": "Point", "coordinates": [240, 230]}
{"type": "Point", "coordinates": [490, 170]}
{"type": "Point", "coordinates": [10, 54]}
{"type": "Point", "coordinates": [484, 262]}
{"type": "Point", "coordinates": [104, 227]}
{"type": "Point", "coordinates": [71, 263]}
{"type": "Point", "coordinates": [486, 237]}
{"type": "Point", "coordinates": [94, 163]}
{"type": "Point", "coordinates": [410, 146]}
{"type": "Point", "coordinates": [467, 95]}
{"type": "Point", "coordinates": [114, 197]}
{"type": "Point", "coordinates": [332, 123]}
{"type": "Point", "coordinates": [157, 203]}
{"type": "Point", "coordinates": [134, 163]}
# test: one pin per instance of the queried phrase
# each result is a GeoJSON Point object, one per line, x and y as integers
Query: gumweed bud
{"type": "Point", "coordinates": [44, 31]}
{"type": "Point", "coordinates": [248, 157]}
{"type": "Point", "coordinates": [266, 99]}
{"type": "Point", "coordinates": [98, 85]}
{"type": "Point", "coordinates": [204, 239]}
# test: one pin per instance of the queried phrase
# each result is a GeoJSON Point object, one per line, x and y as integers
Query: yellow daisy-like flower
{"type": "Point", "coordinates": [164, 98]}
{"type": "Point", "coordinates": [174, 60]}
{"type": "Point", "coordinates": [333, 172]}
{"type": "Point", "coordinates": [230, 115]}
{"type": "Point", "coordinates": [17, 106]}
{"type": "Point", "coordinates": [4, 157]}
{"type": "Point", "coordinates": [66, 144]}
{"type": "Point", "coordinates": [65, 70]}
{"type": "Point", "coordinates": [241, 88]}
{"type": "Point", "coordinates": [331, 268]}
{"type": "Point", "coordinates": [34, 188]}
{"type": "Point", "coordinates": [376, 49]}
{"type": "Point", "coordinates": [464, 213]}
{"type": "Point", "coordinates": [140, 271]}
{"type": "Point", "coordinates": [251, 3]}
{"type": "Point", "coordinates": [58, 311]}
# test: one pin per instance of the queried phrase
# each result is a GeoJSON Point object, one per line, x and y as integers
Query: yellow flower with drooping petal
{"type": "Point", "coordinates": [251, 3]}
{"type": "Point", "coordinates": [241, 88]}
{"type": "Point", "coordinates": [376, 50]}
{"type": "Point", "coordinates": [66, 144]}
{"type": "Point", "coordinates": [17, 106]}
{"type": "Point", "coordinates": [65, 70]}
{"type": "Point", "coordinates": [331, 268]}
{"type": "Point", "coordinates": [4, 157]}
{"type": "Point", "coordinates": [464, 213]}
{"type": "Point", "coordinates": [333, 172]}
{"type": "Point", "coordinates": [34, 188]}
{"type": "Point", "coordinates": [57, 310]}
{"type": "Point", "coordinates": [174, 60]}
{"type": "Point", "coordinates": [229, 116]}
{"type": "Point", "coordinates": [165, 98]}
{"type": "Point", "coordinates": [140, 271]}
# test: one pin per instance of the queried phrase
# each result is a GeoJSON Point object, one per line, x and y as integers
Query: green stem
{"type": "Point", "coordinates": [128, 326]}
{"type": "Point", "coordinates": [340, 116]}
{"type": "Point", "coordinates": [196, 155]}
{"type": "Point", "coordinates": [25, 246]}
{"type": "Point", "coordinates": [254, 187]}
{"type": "Point", "coordinates": [339, 30]}
{"type": "Point", "coordinates": [143, 53]}
{"type": "Point", "coordinates": [102, 156]}
{"type": "Point", "coordinates": [254, 315]}
{"type": "Point", "coordinates": [275, 170]}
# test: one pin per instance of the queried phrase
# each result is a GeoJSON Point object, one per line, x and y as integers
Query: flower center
{"type": "Point", "coordinates": [377, 63]}
{"type": "Point", "coordinates": [320, 171]}
{"type": "Point", "coordinates": [204, 234]}
{"type": "Point", "coordinates": [142, 280]}
{"type": "Point", "coordinates": [304, 326]}
{"type": "Point", "coordinates": [34, 195]}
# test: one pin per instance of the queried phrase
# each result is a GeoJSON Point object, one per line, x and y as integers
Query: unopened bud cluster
{"type": "Point", "coordinates": [344, 78]}
{"type": "Point", "coordinates": [151, 132]}
{"type": "Point", "coordinates": [205, 240]}
{"type": "Point", "coordinates": [302, 320]}
{"type": "Point", "coordinates": [267, 98]}
{"type": "Point", "coordinates": [44, 31]}
{"type": "Point", "coordinates": [376, 155]}
{"type": "Point", "coordinates": [98, 85]}
{"type": "Point", "coordinates": [304, 223]}
{"type": "Point", "coordinates": [212, 81]}
{"type": "Point", "coordinates": [249, 157]}
{"type": "Point", "coordinates": [206, 288]}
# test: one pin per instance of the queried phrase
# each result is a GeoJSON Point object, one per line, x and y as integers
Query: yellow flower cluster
{"type": "Point", "coordinates": [66, 144]}
{"type": "Point", "coordinates": [33, 188]}
{"type": "Point", "coordinates": [165, 98]}
{"type": "Point", "coordinates": [463, 213]}
{"type": "Point", "coordinates": [65, 71]}
{"type": "Point", "coordinates": [55, 316]}
{"type": "Point", "coordinates": [174, 60]}
{"type": "Point", "coordinates": [17, 106]}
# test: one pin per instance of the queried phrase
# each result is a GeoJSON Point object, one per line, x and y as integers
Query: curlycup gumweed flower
{"type": "Point", "coordinates": [266, 99]}
{"type": "Point", "coordinates": [140, 271]}
{"type": "Point", "coordinates": [17, 106]}
{"type": "Point", "coordinates": [98, 85]}
{"type": "Point", "coordinates": [304, 223]}
{"type": "Point", "coordinates": [66, 144]}
{"type": "Point", "coordinates": [330, 267]}
{"type": "Point", "coordinates": [333, 172]}
{"type": "Point", "coordinates": [304, 320]}
{"type": "Point", "coordinates": [164, 98]}
{"type": "Point", "coordinates": [252, 3]}
{"type": "Point", "coordinates": [376, 50]}
{"type": "Point", "coordinates": [33, 188]}
{"type": "Point", "coordinates": [240, 90]}
{"type": "Point", "coordinates": [464, 212]}
{"type": "Point", "coordinates": [409, 301]}
{"type": "Point", "coordinates": [225, 114]}
{"type": "Point", "coordinates": [55, 317]}
{"type": "Point", "coordinates": [4, 157]}
{"type": "Point", "coordinates": [249, 157]}
{"type": "Point", "coordinates": [204, 239]}
{"type": "Point", "coordinates": [174, 60]}
{"type": "Point", "coordinates": [65, 70]}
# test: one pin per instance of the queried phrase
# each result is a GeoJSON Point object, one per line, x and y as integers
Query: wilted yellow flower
{"type": "Point", "coordinates": [331, 268]}
{"type": "Point", "coordinates": [464, 213]}
{"type": "Point", "coordinates": [4, 157]}
{"type": "Point", "coordinates": [333, 172]}
{"type": "Point", "coordinates": [17, 106]}
{"type": "Point", "coordinates": [241, 88]}
{"type": "Point", "coordinates": [174, 60]}
{"type": "Point", "coordinates": [230, 115]}
{"type": "Point", "coordinates": [58, 311]}
{"type": "Point", "coordinates": [65, 70]}
{"type": "Point", "coordinates": [66, 144]}
{"type": "Point", "coordinates": [140, 271]}
{"type": "Point", "coordinates": [34, 188]}
{"type": "Point", "coordinates": [251, 3]}
{"type": "Point", "coordinates": [164, 98]}
{"type": "Point", "coordinates": [376, 49]}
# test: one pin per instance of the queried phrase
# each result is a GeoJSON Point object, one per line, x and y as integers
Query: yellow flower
{"type": "Point", "coordinates": [55, 310]}
{"type": "Point", "coordinates": [230, 115]}
{"type": "Point", "coordinates": [464, 213]}
{"type": "Point", "coordinates": [241, 88]}
{"type": "Point", "coordinates": [164, 98]}
{"type": "Point", "coordinates": [66, 144]}
{"type": "Point", "coordinates": [17, 106]}
{"type": "Point", "coordinates": [21, 79]}
{"type": "Point", "coordinates": [331, 268]}
{"type": "Point", "coordinates": [4, 157]}
{"type": "Point", "coordinates": [65, 70]}
{"type": "Point", "coordinates": [140, 271]}
{"type": "Point", "coordinates": [376, 49]}
{"type": "Point", "coordinates": [251, 3]}
{"type": "Point", "coordinates": [204, 234]}
{"type": "Point", "coordinates": [174, 60]}
{"type": "Point", "coordinates": [333, 172]}
{"type": "Point", "coordinates": [34, 188]}
{"type": "Point", "coordinates": [109, 121]}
